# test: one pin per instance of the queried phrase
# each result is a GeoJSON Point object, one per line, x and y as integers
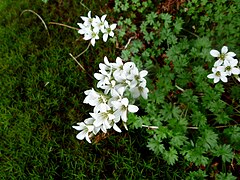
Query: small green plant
{"type": "Point", "coordinates": [188, 119]}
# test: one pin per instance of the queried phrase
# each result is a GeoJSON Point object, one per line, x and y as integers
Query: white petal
{"type": "Point", "coordinates": [98, 76]}
{"type": "Point", "coordinates": [119, 61]}
{"type": "Point", "coordinates": [132, 108]}
{"type": "Point", "coordinates": [236, 71]}
{"type": "Point", "coordinates": [125, 125]}
{"type": "Point", "coordinates": [232, 54]}
{"type": "Point", "coordinates": [111, 116]}
{"type": "Point", "coordinates": [81, 135]}
{"type": "Point", "coordinates": [113, 26]}
{"type": "Point", "coordinates": [103, 17]}
{"type": "Point", "coordinates": [93, 42]}
{"type": "Point", "coordinates": [211, 76]}
{"type": "Point", "coordinates": [144, 93]}
{"type": "Point", "coordinates": [124, 116]}
{"type": "Point", "coordinates": [89, 14]}
{"type": "Point", "coordinates": [143, 73]}
{"type": "Point", "coordinates": [223, 78]}
{"type": "Point", "coordinates": [215, 53]}
{"type": "Point", "coordinates": [116, 128]}
{"type": "Point", "coordinates": [229, 58]}
{"type": "Point", "coordinates": [111, 34]}
{"type": "Point", "coordinates": [87, 138]}
{"type": "Point", "coordinates": [135, 92]}
{"type": "Point", "coordinates": [216, 79]}
{"type": "Point", "coordinates": [224, 50]}
{"type": "Point", "coordinates": [105, 37]}
{"type": "Point", "coordinates": [89, 120]}
{"type": "Point", "coordinates": [125, 101]}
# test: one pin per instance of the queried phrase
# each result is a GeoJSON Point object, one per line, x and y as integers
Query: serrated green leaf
{"type": "Point", "coordinates": [170, 156]}
{"type": "Point", "coordinates": [208, 139]}
{"type": "Point", "coordinates": [225, 151]}
{"type": "Point", "coordinates": [225, 176]}
{"type": "Point", "coordinates": [155, 145]}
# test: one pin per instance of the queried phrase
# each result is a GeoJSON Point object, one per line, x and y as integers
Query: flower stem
{"type": "Point", "coordinates": [64, 25]}
{"type": "Point", "coordinates": [80, 65]}
{"type": "Point", "coordinates": [83, 51]}
{"type": "Point", "coordinates": [28, 10]}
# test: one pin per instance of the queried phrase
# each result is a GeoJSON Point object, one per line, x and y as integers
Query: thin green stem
{"type": "Point", "coordinates": [191, 33]}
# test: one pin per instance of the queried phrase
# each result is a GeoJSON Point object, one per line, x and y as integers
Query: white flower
{"type": "Point", "coordinates": [122, 107]}
{"type": "Point", "coordinates": [230, 67]}
{"type": "Point", "coordinates": [108, 31]}
{"type": "Point", "coordinates": [85, 130]}
{"type": "Point", "coordinates": [109, 87]}
{"type": "Point", "coordinates": [92, 35]}
{"type": "Point", "coordinates": [140, 89]}
{"type": "Point", "coordinates": [83, 29]}
{"type": "Point", "coordinates": [102, 79]}
{"type": "Point", "coordinates": [92, 97]}
{"type": "Point", "coordinates": [224, 55]}
{"type": "Point", "coordinates": [129, 69]}
{"type": "Point", "coordinates": [138, 77]}
{"type": "Point", "coordinates": [87, 20]}
{"type": "Point", "coordinates": [218, 74]}
{"type": "Point", "coordinates": [98, 23]}
{"type": "Point", "coordinates": [96, 99]}
{"type": "Point", "coordinates": [102, 118]}
{"type": "Point", "coordinates": [106, 68]}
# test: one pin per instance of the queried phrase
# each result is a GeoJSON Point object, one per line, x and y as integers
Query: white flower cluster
{"type": "Point", "coordinates": [117, 80]}
{"type": "Point", "coordinates": [225, 66]}
{"type": "Point", "coordinates": [91, 27]}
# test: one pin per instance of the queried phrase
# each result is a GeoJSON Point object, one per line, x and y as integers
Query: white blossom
{"type": "Point", "coordinates": [122, 107]}
{"type": "Point", "coordinates": [218, 74]}
{"type": "Point", "coordinates": [85, 130]}
{"type": "Point", "coordinates": [118, 80]}
{"type": "Point", "coordinates": [108, 30]}
{"type": "Point", "coordinates": [224, 55]}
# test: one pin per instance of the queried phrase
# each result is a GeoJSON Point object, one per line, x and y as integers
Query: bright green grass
{"type": "Point", "coordinates": [37, 140]}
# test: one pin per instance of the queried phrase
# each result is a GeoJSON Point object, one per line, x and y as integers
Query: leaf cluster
{"type": "Point", "coordinates": [194, 118]}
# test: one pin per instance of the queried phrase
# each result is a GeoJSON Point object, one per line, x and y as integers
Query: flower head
{"type": "Point", "coordinates": [218, 74]}
{"type": "Point", "coordinates": [224, 55]}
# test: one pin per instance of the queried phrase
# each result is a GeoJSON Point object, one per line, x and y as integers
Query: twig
{"type": "Point", "coordinates": [64, 25]}
{"type": "Point", "coordinates": [28, 10]}
{"type": "Point", "coordinates": [191, 33]}
{"type": "Point", "coordinates": [129, 40]}
{"type": "Point", "coordinates": [77, 62]}
{"type": "Point", "coordinates": [179, 88]}
{"type": "Point", "coordinates": [150, 127]}
{"type": "Point", "coordinates": [83, 51]}
{"type": "Point", "coordinates": [195, 128]}
{"type": "Point", "coordinates": [85, 6]}
{"type": "Point", "coordinates": [81, 66]}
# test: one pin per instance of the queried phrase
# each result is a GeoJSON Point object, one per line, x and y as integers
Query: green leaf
{"type": "Point", "coordinates": [233, 133]}
{"type": "Point", "coordinates": [178, 140]}
{"type": "Point", "coordinates": [196, 156]}
{"type": "Point", "coordinates": [199, 175]}
{"type": "Point", "coordinates": [225, 151]}
{"type": "Point", "coordinates": [155, 144]}
{"type": "Point", "coordinates": [170, 156]}
{"type": "Point", "coordinates": [198, 119]}
{"type": "Point", "coordinates": [225, 176]}
{"type": "Point", "coordinates": [208, 139]}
